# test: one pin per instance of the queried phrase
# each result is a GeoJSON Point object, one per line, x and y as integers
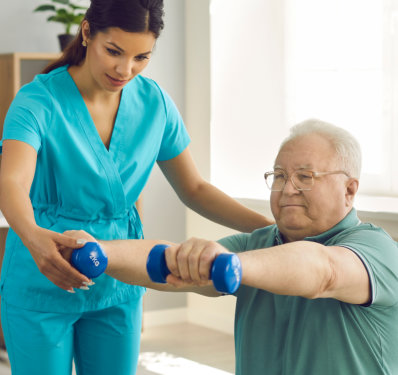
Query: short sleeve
{"type": "Point", "coordinates": [26, 116]}
{"type": "Point", "coordinates": [379, 253]}
{"type": "Point", "coordinates": [236, 243]}
{"type": "Point", "coordinates": [175, 137]}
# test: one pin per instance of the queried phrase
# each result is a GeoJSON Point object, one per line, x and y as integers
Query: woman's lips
{"type": "Point", "coordinates": [116, 82]}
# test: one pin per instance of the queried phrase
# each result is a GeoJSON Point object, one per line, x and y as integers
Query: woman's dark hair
{"type": "Point", "coordinates": [129, 15]}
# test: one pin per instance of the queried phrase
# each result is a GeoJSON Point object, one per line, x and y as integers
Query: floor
{"type": "Point", "coordinates": [181, 349]}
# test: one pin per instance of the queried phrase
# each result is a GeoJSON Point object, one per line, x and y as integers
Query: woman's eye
{"type": "Point", "coordinates": [113, 52]}
{"type": "Point", "coordinates": [141, 58]}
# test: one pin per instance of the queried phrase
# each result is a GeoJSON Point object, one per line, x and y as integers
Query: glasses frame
{"type": "Point", "coordinates": [286, 175]}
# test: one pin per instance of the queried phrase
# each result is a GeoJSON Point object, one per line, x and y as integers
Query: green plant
{"type": "Point", "coordinates": [65, 12]}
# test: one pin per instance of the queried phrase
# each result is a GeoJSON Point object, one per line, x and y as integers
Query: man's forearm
{"type": "Point", "coordinates": [127, 262]}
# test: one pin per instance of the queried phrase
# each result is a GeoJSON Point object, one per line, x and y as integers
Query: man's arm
{"type": "Point", "coordinates": [302, 268]}
{"type": "Point", "coordinates": [127, 262]}
{"type": "Point", "coordinates": [308, 269]}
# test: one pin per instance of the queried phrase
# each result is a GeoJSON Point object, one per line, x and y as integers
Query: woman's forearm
{"type": "Point", "coordinates": [18, 165]}
{"type": "Point", "coordinates": [217, 206]}
{"type": "Point", "coordinates": [17, 209]}
{"type": "Point", "coordinates": [205, 199]}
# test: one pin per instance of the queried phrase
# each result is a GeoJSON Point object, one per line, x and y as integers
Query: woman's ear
{"type": "Point", "coordinates": [85, 30]}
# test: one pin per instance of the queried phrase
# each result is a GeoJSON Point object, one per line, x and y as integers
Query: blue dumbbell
{"type": "Point", "coordinates": [90, 260]}
{"type": "Point", "coordinates": [226, 270]}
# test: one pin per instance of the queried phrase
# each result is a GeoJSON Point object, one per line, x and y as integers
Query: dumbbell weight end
{"type": "Point", "coordinates": [90, 260]}
{"type": "Point", "coordinates": [226, 270]}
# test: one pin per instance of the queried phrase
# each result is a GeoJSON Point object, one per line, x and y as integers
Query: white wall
{"type": "Point", "coordinates": [25, 31]}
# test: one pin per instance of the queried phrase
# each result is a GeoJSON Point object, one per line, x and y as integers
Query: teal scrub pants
{"type": "Point", "coordinates": [100, 342]}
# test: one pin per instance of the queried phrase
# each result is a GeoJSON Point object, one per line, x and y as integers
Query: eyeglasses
{"type": "Point", "coordinates": [302, 180]}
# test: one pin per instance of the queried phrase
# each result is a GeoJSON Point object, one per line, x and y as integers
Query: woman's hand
{"type": "Point", "coordinates": [49, 250]}
{"type": "Point", "coordinates": [82, 237]}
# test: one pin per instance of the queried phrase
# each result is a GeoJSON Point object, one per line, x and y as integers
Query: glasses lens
{"type": "Point", "coordinates": [303, 180]}
{"type": "Point", "coordinates": [275, 181]}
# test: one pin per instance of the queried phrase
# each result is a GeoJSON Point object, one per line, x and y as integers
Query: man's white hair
{"type": "Point", "coordinates": [347, 147]}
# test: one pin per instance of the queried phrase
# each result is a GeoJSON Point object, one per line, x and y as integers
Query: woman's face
{"type": "Point", "coordinates": [115, 57]}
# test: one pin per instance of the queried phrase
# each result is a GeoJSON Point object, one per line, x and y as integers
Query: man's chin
{"type": "Point", "coordinates": [293, 227]}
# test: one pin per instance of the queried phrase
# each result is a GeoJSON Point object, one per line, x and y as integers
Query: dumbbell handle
{"type": "Point", "coordinates": [225, 272]}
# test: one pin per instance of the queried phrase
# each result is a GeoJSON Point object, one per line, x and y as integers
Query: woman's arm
{"type": "Point", "coordinates": [205, 198]}
{"type": "Point", "coordinates": [16, 175]}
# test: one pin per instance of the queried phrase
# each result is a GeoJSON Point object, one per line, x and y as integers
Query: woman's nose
{"type": "Point", "coordinates": [125, 69]}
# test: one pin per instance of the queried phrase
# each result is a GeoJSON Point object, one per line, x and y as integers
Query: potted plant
{"type": "Point", "coordinates": [67, 13]}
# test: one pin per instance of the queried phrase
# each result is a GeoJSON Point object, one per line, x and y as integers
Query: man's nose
{"type": "Point", "coordinates": [289, 187]}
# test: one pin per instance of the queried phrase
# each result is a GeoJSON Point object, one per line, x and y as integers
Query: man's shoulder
{"type": "Point", "coordinates": [364, 231]}
{"type": "Point", "coordinates": [369, 241]}
{"type": "Point", "coordinates": [260, 238]}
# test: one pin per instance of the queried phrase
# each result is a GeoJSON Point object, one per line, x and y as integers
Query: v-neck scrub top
{"type": "Point", "coordinates": [80, 184]}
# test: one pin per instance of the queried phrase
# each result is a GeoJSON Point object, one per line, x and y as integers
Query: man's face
{"type": "Point", "coordinates": [300, 214]}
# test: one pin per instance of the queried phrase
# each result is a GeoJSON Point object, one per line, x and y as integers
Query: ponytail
{"type": "Point", "coordinates": [73, 54]}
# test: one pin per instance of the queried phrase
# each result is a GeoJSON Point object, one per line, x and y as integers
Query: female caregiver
{"type": "Point", "coordinates": [79, 144]}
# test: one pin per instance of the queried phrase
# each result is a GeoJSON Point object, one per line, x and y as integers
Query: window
{"type": "Point", "coordinates": [276, 63]}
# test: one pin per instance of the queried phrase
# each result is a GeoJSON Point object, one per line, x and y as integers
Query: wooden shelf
{"type": "Point", "coordinates": [17, 69]}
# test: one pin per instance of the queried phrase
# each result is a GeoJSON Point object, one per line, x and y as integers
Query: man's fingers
{"type": "Point", "coordinates": [191, 261]}
{"type": "Point", "coordinates": [207, 258]}
{"type": "Point", "coordinates": [171, 259]}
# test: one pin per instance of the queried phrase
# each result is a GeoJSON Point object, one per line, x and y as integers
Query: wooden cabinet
{"type": "Point", "coordinates": [17, 69]}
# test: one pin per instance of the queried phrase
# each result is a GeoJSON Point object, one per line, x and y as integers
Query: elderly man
{"type": "Point", "coordinates": [319, 291]}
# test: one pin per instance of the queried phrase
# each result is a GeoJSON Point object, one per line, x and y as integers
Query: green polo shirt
{"type": "Point", "coordinates": [288, 335]}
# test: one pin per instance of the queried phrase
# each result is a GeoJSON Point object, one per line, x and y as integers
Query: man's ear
{"type": "Point", "coordinates": [351, 189]}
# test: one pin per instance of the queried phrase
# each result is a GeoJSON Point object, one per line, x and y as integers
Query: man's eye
{"type": "Point", "coordinates": [113, 52]}
{"type": "Point", "coordinates": [304, 176]}
{"type": "Point", "coordinates": [279, 176]}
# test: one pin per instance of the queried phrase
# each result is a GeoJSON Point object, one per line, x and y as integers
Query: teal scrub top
{"type": "Point", "coordinates": [289, 335]}
{"type": "Point", "coordinates": [80, 184]}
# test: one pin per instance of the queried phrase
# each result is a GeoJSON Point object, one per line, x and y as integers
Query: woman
{"type": "Point", "coordinates": [79, 144]}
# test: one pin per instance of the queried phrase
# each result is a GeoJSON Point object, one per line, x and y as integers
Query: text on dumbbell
{"type": "Point", "coordinates": [95, 260]}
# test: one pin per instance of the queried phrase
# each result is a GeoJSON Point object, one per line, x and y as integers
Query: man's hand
{"type": "Point", "coordinates": [190, 262]}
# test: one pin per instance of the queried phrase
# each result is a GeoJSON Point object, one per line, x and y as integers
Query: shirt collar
{"type": "Point", "coordinates": [349, 221]}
